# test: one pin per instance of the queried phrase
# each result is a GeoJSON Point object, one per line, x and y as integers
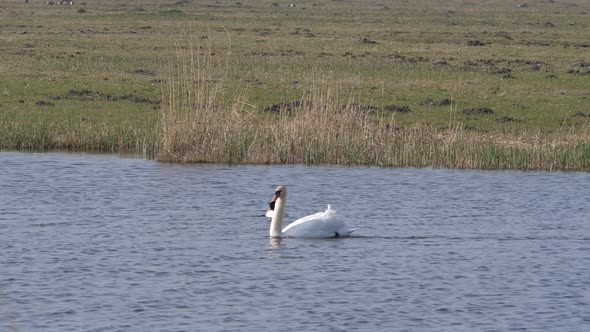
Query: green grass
{"type": "Point", "coordinates": [280, 53]}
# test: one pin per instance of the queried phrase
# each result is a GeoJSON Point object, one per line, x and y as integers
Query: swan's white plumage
{"type": "Point", "coordinates": [319, 225]}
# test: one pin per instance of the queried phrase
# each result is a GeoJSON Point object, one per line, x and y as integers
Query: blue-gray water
{"type": "Point", "coordinates": [103, 243]}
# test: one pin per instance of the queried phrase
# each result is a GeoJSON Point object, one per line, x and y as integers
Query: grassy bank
{"type": "Point", "coordinates": [460, 84]}
{"type": "Point", "coordinates": [201, 123]}
{"type": "Point", "coordinates": [323, 132]}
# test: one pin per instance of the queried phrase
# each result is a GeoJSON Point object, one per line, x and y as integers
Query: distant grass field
{"type": "Point", "coordinates": [96, 76]}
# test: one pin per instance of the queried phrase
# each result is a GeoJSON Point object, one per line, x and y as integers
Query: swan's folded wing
{"type": "Point", "coordinates": [321, 224]}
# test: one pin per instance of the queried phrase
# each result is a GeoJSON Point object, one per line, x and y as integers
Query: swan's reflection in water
{"type": "Point", "coordinates": [276, 242]}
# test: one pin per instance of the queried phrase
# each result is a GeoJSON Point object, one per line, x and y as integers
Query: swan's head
{"type": "Point", "coordinates": [280, 192]}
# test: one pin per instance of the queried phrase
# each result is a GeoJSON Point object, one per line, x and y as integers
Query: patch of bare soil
{"type": "Point", "coordinates": [262, 32]}
{"type": "Point", "coordinates": [579, 72]}
{"type": "Point", "coordinates": [305, 32]}
{"type": "Point", "coordinates": [475, 43]}
{"type": "Point", "coordinates": [503, 34]}
{"type": "Point", "coordinates": [436, 102]}
{"type": "Point", "coordinates": [480, 110]}
{"type": "Point", "coordinates": [134, 99]}
{"type": "Point", "coordinates": [397, 108]}
{"type": "Point", "coordinates": [501, 66]}
{"type": "Point", "coordinates": [365, 40]}
{"type": "Point", "coordinates": [506, 119]}
{"type": "Point", "coordinates": [288, 106]}
{"type": "Point", "coordinates": [44, 103]}
{"type": "Point", "coordinates": [277, 53]}
{"type": "Point", "coordinates": [502, 71]}
{"type": "Point", "coordinates": [145, 72]}
{"type": "Point", "coordinates": [541, 43]}
{"type": "Point", "coordinates": [441, 63]}
{"type": "Point", "coordinates": [291, 106]}
{"type": "Point", "coordinates": [475, 129]}
{"type": "Point", "coordinates": [355, 56]}
{"type": "Point", "coordinates": [404, 58]}
{"type": "Point", "coordinates": [481, 64]}
{"type": "Point", "coordinates": [580, 64]}
{"type": "Point", "coordinates": [519, 106]}
{"type": "Point", "coordinates": [91, 95]}
{"type": "Point", "coordinates": [360, 107]}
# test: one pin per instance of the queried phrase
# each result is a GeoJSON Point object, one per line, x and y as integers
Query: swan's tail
{"type": "Point", "coordinates": [342, 232]}
{"type": "Point", "coordinates": [329, 213]}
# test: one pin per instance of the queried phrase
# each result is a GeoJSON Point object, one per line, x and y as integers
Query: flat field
{"type": "Point", "coordinates": [94, 76]}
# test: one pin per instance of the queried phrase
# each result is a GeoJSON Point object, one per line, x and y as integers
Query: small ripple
{"type": "Point", "coordinates": [471, 295]}
{"type": "Point", "coordinates": [52, 224]}
{"type": "Point", "coordinates": [471, 238]}
{"type": "Point", "coordinates": [66, 312]}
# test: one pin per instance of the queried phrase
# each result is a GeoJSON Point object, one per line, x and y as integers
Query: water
{"type": "Point", "coordinates": [103, 243]}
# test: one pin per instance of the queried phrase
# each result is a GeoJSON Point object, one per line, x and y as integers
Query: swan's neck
{"type": "Point", "coordinates": [276, 225]}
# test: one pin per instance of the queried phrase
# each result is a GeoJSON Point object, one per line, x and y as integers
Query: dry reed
{"type": "Point", "coordinates": [201, 122]}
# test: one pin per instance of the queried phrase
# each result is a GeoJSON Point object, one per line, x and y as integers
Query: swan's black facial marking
{"type": "Point", "coordinates": [272, 203]}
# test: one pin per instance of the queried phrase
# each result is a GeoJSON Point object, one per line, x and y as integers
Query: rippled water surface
{"type": "Point", "coordinates": [103, 243]}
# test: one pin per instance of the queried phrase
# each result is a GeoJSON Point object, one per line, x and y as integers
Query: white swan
{"type": "Point", "coordinates": [319, 225]}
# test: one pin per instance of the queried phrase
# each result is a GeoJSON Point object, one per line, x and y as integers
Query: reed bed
{"type": "Point", "coordinates": [202, 121]}
{"type": "Point", "coordinates": [54, 130]}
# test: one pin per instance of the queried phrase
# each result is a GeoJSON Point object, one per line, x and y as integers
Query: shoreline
{"type": "Point", "coordinates": [498, 164]}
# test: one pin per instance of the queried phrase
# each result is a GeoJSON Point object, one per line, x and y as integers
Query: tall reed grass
{"type": "Point", "coordinates": [202, 121]}
{"type": "Point", "coordinates": [58, 130]}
